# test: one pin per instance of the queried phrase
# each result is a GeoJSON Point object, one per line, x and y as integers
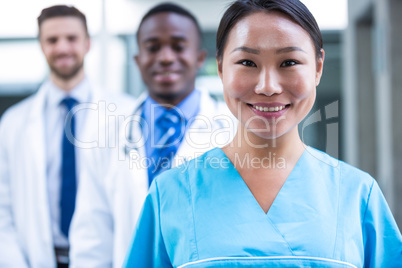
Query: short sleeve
{"type": "Point", "coordinates": [382, 238]}
{"type": "Point", "coordinates": [147, 248]}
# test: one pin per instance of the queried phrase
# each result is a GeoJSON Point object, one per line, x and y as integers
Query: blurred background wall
{"type": "Point", "coordinates": [355, 115]}
{"type": "Point", "coordinates": [372, 94]}
{"type": "Point", "coordinates": [112, 26]}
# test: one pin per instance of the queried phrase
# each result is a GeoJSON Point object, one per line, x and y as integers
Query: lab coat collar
{"type": "Point", "coordinates": [81, 93]}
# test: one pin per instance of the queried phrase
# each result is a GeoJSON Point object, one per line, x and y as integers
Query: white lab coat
{"type": "Point", "coordinates": [25, 222]}
{"type": "Point", "coordinates": [116, 183]}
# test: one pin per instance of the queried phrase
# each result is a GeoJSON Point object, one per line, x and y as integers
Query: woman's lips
{"type": "Point", "coordinates": [269, 110]}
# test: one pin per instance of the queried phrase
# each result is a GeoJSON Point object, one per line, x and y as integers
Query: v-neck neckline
{"type": "Point", "coordinates": [245, 188]}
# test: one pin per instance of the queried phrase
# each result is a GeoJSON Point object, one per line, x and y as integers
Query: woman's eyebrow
{"type": "Point", "coordinates": [289, 49]}
{"type": "Point", "coordinates": [279, 51]}
{"type": "Point", "coordinates": [247, 49]}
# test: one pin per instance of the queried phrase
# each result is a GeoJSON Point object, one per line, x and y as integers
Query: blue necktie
{"type": "Point", "coordinates": [173, 127]}
{"type": "Point", "coordinates": [68, 169]}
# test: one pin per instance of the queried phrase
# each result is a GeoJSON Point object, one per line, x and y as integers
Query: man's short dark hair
{"type": "Point", "coordinates": [168, 7]}
{"type": "Point", "coordinates": [62, 11]}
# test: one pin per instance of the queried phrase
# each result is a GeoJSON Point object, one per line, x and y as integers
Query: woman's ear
{"type": "Point", "coordinates": [219, 63]}
{"type": "Point", "coordinates": [320, 67]}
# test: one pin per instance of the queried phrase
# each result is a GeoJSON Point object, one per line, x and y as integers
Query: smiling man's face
{"type": "Point", "coordinates": [169, 56]}
{"type": "Point", "coordinates": [64, 43]}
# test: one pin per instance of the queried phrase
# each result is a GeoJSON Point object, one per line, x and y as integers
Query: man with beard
{"type": "Point", "coordinates": [41, 146]}
{"type": "Point", "coordinates": [172, 122]}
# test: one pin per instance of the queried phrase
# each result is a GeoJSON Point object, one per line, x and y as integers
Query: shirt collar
{"type": "Point", "coordinates": [189, 107]}
{"type": "Point", "coordinates": [55, 95]}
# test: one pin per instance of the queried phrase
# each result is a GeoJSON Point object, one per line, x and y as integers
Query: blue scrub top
{"type": "Point", "coordinates": [327, 214]}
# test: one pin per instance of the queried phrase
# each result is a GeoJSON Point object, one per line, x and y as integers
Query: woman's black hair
{"type": "Point", "coordinates": [294, 9]}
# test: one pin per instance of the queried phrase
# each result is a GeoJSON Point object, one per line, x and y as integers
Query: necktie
{"type": "Point", "coordinates": [172, 126]}
{"type": "Point", "coordinates": [68, 168]}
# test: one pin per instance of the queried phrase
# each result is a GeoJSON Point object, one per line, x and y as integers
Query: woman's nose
{"type": "Point", "coordinates": [269, 83]}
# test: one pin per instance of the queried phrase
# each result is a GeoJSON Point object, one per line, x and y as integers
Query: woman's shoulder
{"type": "Point", "coordinates": [347, 172]}
{"type": "Point", "coordinates": [198, 167]}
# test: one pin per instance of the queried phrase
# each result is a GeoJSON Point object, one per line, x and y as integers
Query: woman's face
{"type": "Point", "coordinates": [269, 72]}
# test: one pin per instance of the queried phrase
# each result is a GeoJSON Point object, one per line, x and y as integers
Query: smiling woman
{"type": "Point", "coordinates": [271, 201]}
{"type": "Point", "coordinates": [280, 63]}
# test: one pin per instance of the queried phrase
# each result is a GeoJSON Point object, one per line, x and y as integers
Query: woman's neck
{"type": "Point", "coordinates": [246, 144]}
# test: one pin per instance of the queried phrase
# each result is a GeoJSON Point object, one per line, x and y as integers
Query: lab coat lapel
{"type": "Point", "coordinates": [132, 150]}
{"type": "Point", "coordinates": [131, 176]}
{"type": "Point", "coordinates": [94, 133]}
{"type": "Point", "coordinates": [35, 177]}
{"type": "Point", "coordinates": [201, 134]}
{"type": "Point", "coordinates": [134, 146]}
{"type": "Point", "coordinates": [131, 185]}
{"type": "Point", "coordinates": [132, 137]}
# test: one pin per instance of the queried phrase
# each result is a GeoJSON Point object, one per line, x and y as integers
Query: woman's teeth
{"type": "Point", "coordinates": [269, 109]}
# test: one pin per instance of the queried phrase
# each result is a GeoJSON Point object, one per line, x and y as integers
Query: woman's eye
{"type": "Point", "coordinates": [288, 63]}
{"type": "Point", "coordinates": [247, 63]}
